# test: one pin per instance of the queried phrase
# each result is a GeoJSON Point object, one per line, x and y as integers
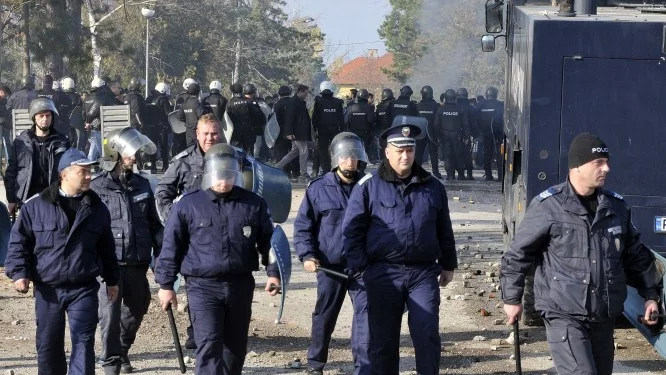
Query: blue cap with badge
{"type": "Point", "coordinates": [404, 132]}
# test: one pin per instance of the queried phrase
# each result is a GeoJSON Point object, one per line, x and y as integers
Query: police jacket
{"type": "Point", "coordinates": [297, 120]}
{"type": "Point", "coordinates": [184, 174]}
{"type": "Point", "coordinates": [218, 103]}
{"type": "Point", "coordinates": [381, 115]}
{"type": "Point", "coordinates": [246, 116]}
{"type": "Point", "coordinates": [136, 227]}
{"type": "Point", "coordinates": [43, 249]}
{"type": "Point", "coordinates": [94, 101]}
{"type": "Point", "coordinates": [209, 236]}
{"type": "Point", "coordinates": [402, 106]}
{"type": "Point", "coordinates": [583, 262]}
{"type": "Point", "coordinates": [318, 225]}
{"type": "Point", "coordinates": [136, 103]}
{"type": "Point", "coordinates": [327, 113]}
{"type": "Point", "coordinates": [192, 110]}
{"type": "Point", "coordinates": [428, 109]}
{"type": "Point", "coordinates": [280, 109]}
{"type": "Point", "coordinates": [21, 158]}
{"type": "Point", "coordinates": [72, 100]}
{"type": "Point", "coordinates": [470, 113]}
{"type": "Point", "coordinates": [21, 99]}
{"type": "Point", "coordinates": [450, 118]}
{"type": "Point", "coordinates": [386, 221]}
{"type": "Point", "coordinates": [360, 117]}
{"type": "Point", "coordinates": [490, 118]}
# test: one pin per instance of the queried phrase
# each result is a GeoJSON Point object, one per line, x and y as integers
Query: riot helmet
{"type": "Point", "coordinates": [491, 93]}
{"type": "Point", "coordinates": [236, 88]}
{"type": "Point", "coordinates": [387, 94]}
{"type": "Point", "coordinates": [187, 82]}
{"type": "Point", "coordinates": [47, 82]}
{"type": "Point", "coordinates": [354, 92]}
{"type": "Point", "coordinates": [97, 83]}
{"type": "Point", "coordinates": [406, 90]}
{"type": "Point", "coordinates": [284, 91]}
{"type": "Point", "coordinates": [42, 104]}
{"type": "Point", "coordinates": [135, 84]}
{"type": "Point", "coordinates": [249, 89]}
{"type": "Point", "coordinates": [128, 141]}
{"type": "Point", "coordinates": [56, 86]}
{"type": "Point", "coordinates": [345, 146]}
{"type": "Point", "coordinates": [363, 94]}
{"type": "Point", "coordinates": [215, 85]}
{"type": "Point", "coordinates": [221, 169]}
{"type": "Point", "coordinates": [450, 96]}
{"type": "Point", "coordinates": [194, 88]}
{"type": "Point", "coordinates": [28, 82]}
{"type": "Point", "coordinates": [462, 93]}
{"type": "Point", "coordinates": [326, 88]}
{"type": "Point", "coordinates": [162, 88]}
{"type": "Point", "coordinates": [68, 84]}
{"type": "Point", "coordinates": [426, 92]}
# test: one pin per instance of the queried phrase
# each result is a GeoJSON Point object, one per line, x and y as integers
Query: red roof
{"type": "Point", "coordinates": [364, 72]}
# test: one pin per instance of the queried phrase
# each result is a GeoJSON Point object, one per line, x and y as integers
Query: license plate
{"type": "Point", "coordinates": [660, 224]}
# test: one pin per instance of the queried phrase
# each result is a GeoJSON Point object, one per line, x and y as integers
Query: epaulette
{"type": "Point", "coordinates": [613, 194]}
{"type": "Point", "coordinates": [548, 193]}
{"type": "Point", "coordinates": [365, 178]}
{"type": "Point", "coordinates": [186, 193]}
{"type": "Point", "coordinates": [316, 179]}
{"type": "Point", "coordinates": [181, 155]}
{"type": "Point", "coordinates": [31, 198]}
{"type": "Point", "coordinates": [96, 176]}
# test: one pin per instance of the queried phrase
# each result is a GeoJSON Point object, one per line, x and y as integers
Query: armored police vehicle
{"type": "Point", "coordinates": [575, 68]}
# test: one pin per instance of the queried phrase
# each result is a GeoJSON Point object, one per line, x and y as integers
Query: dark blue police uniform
{"type": "Point", "coordinates": [399, 235]}
{"type": "Point", "coordinates": [63, 263]}
{"type": "Point", "coordinates": [317, 234]}
{"type": "Point", "coordinates": [215, 241]}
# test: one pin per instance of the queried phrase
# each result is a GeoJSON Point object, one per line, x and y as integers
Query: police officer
{"type": "Point", "coordinates": [403, 106]}
{"type": "Point", "coordinates": [34, 155]}
{"type": "Point", "coordinates": [100, 95]}
{"type": "Point", "coordinates": [246, 116]}
{"type": "Point", "coordinates": [491, 125]}
{"type": "Point", "coordinates": [381, 118]}
{"type": "Point", "coordinates": [397, 233]}
{"type": "Point", "coordinates": [586, 250]}
{"type": "Point", "coordinates": [191, 111]}
{"type": "Point", "coordinates": [179, 143]}
{"type": "Point", "coordinates": [59, 100]}
{"type": "Point", "coordinates": [470, 112]}
{"type": "Point", "coordinates": [317, 233]}
{"type": "Point", "coordinates": [221, 218]}
{"type": "Point", "coordinates": [257, 121]}
{"type": "Point", "coordinates": [282, 144]}
{"type": "Point", "coordinates": [360, 117]}
{"type": "Point", "coordinates": [137, 232]}
{"type": "Point", "coordinates": [327, 122]}
{"type": "Point", "coordinates": [452, 124]}
{"type": "Point", "coordinates": [61, 242]}
{"type": "Point", "coordinates": [428, 109]}
{"type": "Point", "coordinates": [158, 108]}
{"type": "Point", "coordinates": [216, 101]}
{"type": "Point", "coordinates": [136, 103]}
{"type": "Point", "coordinates": [22, 98]}
{"type": "Point", "coordinates": [72, 100]}
{"type": "Point", "coordinates": [353, 94]}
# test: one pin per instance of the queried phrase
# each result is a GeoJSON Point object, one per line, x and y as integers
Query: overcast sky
{"type": "Point", "coordinates": [350, 25]}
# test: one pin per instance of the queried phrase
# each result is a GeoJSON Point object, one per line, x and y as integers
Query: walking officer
{"type": "Point", "coordinates": [61, 242]}
{"type": "Point", "coordinates": [360, 117]}
{"type": "Point", "coordinates": [491, 125]}
{"type": "Point", "coordinates": [397, 233]}
{"type": "Point", "coordinates": [452, 124]}
{"type": "Point", "coordinates": [221, 218]}
{"type": "Point", "coordinates": [470, 112]}
{"type": "Point", "coordinates": [381, 119]}
{"type": "Point", "coordinates": [191, 111]}
{"type": "Point", "coordinates": [138, 238]}
{"type": "Point", "coordinates": [327, 122]}
{"type": "Point", "coordinates": [217, 102]}
{"type": "Point", "coordinates": [586, 250]}
{"type": "Point", "coordinates": [317, 233]}
{"type": "Point", "coordinates": [136, 104]}
{"type": "Point", "coordinates": [428, 108]}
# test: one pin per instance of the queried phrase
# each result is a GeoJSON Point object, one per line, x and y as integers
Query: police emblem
{"type": "Point", "coordinates": [405, 131]}
{"type": "Point", "coordinates": [247, 232]}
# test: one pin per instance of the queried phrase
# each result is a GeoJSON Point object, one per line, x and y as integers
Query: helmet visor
{"type": "Point", "coordinates": [131, 141]}
{"type": "Point", "coordinates": [223, 169]}
{"type": "Point", "coordinates": [347, 150]}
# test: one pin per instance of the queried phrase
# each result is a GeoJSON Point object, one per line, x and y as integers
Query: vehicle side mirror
{"type": "Point", "coordinates": [494, 16]}
{"type": "Point", "coordinates": [488, 43]}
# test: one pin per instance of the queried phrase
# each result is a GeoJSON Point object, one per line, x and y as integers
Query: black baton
{"type": "Point", "coordinates": [653, 316]}
{"type": "Point", "coordinates": [333, 273]}
{"type": "Point", "coordinates": [176, 340]}
{"type": "Point", "coordinates": [516, 348]}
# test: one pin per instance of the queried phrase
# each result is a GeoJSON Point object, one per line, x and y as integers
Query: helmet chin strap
{"type": "Point", "coordinates": [125, 176]}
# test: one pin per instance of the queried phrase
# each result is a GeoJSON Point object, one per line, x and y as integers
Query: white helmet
{"type": "Point", "coordinates": [68, 84]}
{"type": "Point", "coordinates": [215, 85]}
{"type": "Point", "coordinates": [97, 82]}
{"type": "Point", "coordinates": [56, 85]}
{"type": "Point", "coordinates": [188, 82]}
{"type": "Point", "coordinates": [326, 85]}
{"type": "Point", "coordinates": [162, 88]}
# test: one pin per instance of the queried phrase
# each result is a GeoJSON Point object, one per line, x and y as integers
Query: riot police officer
{"type": "Point", "coordinates": [135, 100]}
{"type": "Point", "coordinates": [327, 122]}
{"type": "Point", "coordinates": [470, 112]}
{"type": "Point", "coordinates": [317, 230]}
{"type": "Point", "coordinates": [158, 108]}
{"type": "Point", "coordinates": [453, 128]}
{"type": "Point", "coordinates": [403, 106]}
{"type": "Point", "coordinates": [60, 101]}
{"type": "Point", "coordinates": [34, 155]}
{"type": "Point", "coordinates": [72, 100]}
{"type": "Point", "coordinates": [220, 218]}
{"type": "Point", "coordinates": [258, 121]}
{"type": "Point", "coordinates": [179, 142]}
{"type": "Point", "coordinates": [491, 125]}
{"type": "Point", "coordinates": [100, 95]}
{"type": "Point", "coordinates": [61, 242]}
{"type": "Point", "coordinates": [246, 116]}
{"type": "Point", "coordinates": [137, 232]}
{"type": "Point", "coordinates": [21, 98]}
{"type": "Point", "coordinates": [428, 109]}
{"type": "Point", "coordinates": [191, 111]}
{"type": "Point", "coordinates": [217, 102]}
{"type": "Point", "coordinates": [360, 117]}
{"type": "Point", "coordinates": [398, 237]}
{"type": "Point", "coordinates": [382, 122]}
{"type": "Point", "coordinates": [282, 144]}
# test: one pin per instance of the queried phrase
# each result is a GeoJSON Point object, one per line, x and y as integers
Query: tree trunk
{"type": "Point", "coordinates": [94, 47]}
{"type": "Point", "coordinates": [236, 77]}
{"type": "Point", "coordinates": [74, 36]}
{"type": "Point", "coordinates": [26, 38]}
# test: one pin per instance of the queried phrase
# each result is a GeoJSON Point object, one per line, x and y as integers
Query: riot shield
{"type": "Point", "coordinates": [274, 186]}
{"type": "Point", "coordinates": [5, 229]}
{"type": "Point", "coordinates": [227, 127]}
{"type": "Point", "coordinates": [271, 131]}
{"type": "Point", "coordinates": [76, 119]}
{"type": "Point", "coordinates": [281, 254]}
{"type": "Point", "coordinates": [177, 126]}
{"type": "Point", "coordinates": [265, 108]}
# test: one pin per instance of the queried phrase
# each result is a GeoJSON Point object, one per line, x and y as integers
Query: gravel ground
{"type": "Point", "coordinates": [472, 338]}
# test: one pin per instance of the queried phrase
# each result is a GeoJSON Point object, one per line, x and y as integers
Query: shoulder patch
{"type": "Point", "coordinates": [548, 193]}
{"type": "Point", "coordinates": [365, 178]}
{"type": "Point", "coordinates": [316, 179]}
{"type": "Point", "coordinates": [614, 194]}
{"type": "Point", "coordinates": [180, 156]}
{"type": "Point", "coordinates": [31, 198]}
